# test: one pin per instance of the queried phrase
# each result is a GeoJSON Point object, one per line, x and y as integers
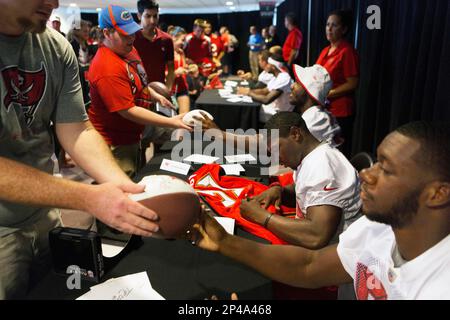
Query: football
{"type": "Point", "coordinates": [189, 117]}
{"type": "Point", "coordinates": [174, 201]}
{"type": "Point", "coordinates": [160, 88]}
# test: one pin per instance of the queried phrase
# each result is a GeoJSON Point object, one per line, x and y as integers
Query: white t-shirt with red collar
{"type": "Point", "coordinates": [368, 250]}
{"type": "Point", "coordinates": [326, 177]}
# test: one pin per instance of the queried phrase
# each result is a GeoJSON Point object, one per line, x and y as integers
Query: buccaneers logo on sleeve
{"type": "Point", "coordinates": [367, 285]}
{"type": "Point", "coordinates": [24, 88]}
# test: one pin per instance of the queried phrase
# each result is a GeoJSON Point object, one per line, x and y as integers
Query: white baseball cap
{"type": "Point", "coordinates": [55, 18]}
{"type": "Point", "coordinates": [315, 80]}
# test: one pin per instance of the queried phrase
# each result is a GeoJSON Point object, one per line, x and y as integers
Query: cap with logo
{"type": "Point", "coordinates": [315, 80]}
{"type": "Point", "coordinates": [118, 18]}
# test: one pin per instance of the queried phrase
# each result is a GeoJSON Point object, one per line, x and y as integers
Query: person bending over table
{"type": "Point", "coordinates": [275, 97]}
{"type": "Point", "coordinates": [397, 250]}
{"type": "Point", "coordinates": [325, 192]}
{"type": "Point", "coordinates": [308, 96]}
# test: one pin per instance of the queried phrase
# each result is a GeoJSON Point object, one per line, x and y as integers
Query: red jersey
{"type": "Point", "coordinates": [197, 49]}
{"type": "Point", "coordinates": [155, 54]}
{"type": "Point", "coordinates": [115, 84]}
{"type": "Point", "coordinates": [224, 195]}
{"type": "Point", "coordinates": [217, 45]}
{"type": "Point", "coordinates": [341, 64]}
{"type": "Point", "coordinates": [180, 84]}
{"type": "Point", "coordinates": [293, 42]}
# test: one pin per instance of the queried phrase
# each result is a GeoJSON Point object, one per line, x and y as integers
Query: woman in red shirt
{"type": "Point", "coordinates": [341, 61]}
{"type": "Point", "coordinates": [180, 85]}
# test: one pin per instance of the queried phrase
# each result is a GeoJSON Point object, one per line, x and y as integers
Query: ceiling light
{"type": "Point", "coordinates": [232, 8]}
{"type": "Point", "coordinates": [99, 9]}
{"type": "Point", "coordinates": [229, 3]}
{"type": "Point", "coordinates": [73, 4]}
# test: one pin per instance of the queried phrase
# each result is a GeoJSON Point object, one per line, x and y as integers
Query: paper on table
{"type": "Point", "coordinates": [230, 83]}
{"type": "Point", "coordinates": [200, 158]}
{"type": "Point", "coordinates": [175, 166]}
{"type": "Point", "coordinates": [232, 169]}
{"type": "Point", "coordinates": [247, 99]}
{"type": "Point", "coordinates": [226, 223]}
{"type": "Point", "coordinates": [131, 287]}
{"type": "Point", "coordinates": [234, 99]}
{"type": "Point", "coordinates": [240, 158]}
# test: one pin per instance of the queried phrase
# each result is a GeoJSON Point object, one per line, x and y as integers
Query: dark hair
{"type": "Point", "coordinates": [292, 18]}
{"type": "Point", "coordinates": [434, 141]}
{"type": "Point", "coordinates": [345, 17]}
{"type": "Point", "coordinates": [265, 54]}
{"type": "Point", "coordinates": [142, 5]}
{"type": "Point", "coordinates": [284, 121]}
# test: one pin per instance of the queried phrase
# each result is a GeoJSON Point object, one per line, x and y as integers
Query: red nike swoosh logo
{"type": "Point", "coordinates": [328, 189]}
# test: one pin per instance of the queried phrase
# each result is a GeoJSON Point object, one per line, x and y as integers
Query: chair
{"type": "Point", "coordinates": [362, 160]}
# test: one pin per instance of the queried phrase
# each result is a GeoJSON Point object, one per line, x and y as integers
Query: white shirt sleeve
{"type": "Point", "coordinates": [281, 82]}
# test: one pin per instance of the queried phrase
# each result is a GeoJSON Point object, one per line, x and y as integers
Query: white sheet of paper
{"type": "Point", "coordinates": [240, 158]}
{"type": "Point", "coordinates": [247, 99]}
{"type": "Point", "coordinates": [131, 287]}
{"type": "Point", "coordinates": [200, 158]}
{"type": "Point", "coordinates": [226, 223]}
{"type": "Point", "coordinates": [234, 99]}
{"type": "Point", "coordinates": [233, 169]}
{"type": "Point", "coordinates": [230, 83]}
{"type": "Point", "coordinates": [175, 166]}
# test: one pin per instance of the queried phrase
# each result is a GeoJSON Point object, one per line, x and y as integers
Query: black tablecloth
{"type": "Point", "coordinates": [176, 269]}
{"type": "Point", "coordinates": [229, 115]}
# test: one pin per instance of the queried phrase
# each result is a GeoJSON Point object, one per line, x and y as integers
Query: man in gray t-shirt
{"type": "Point", "coordinates": [39, 85]}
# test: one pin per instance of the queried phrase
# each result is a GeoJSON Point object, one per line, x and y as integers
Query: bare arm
{"type": "Point", "coordinates": [170, 78]}
{"type": "Point", "coordinates": [266, 99]}
{"type": "Point", "coordinates": [295, 266]}
{"type": "Point", "coordinates": [292, 56]}
{"type": "Point", "coordinates": [145, 117]}
{"type": "Point", "coordinates": [90, 152]}
{"type": "Point", "coordinates": [108, 202]}
{"type": "Point", "coordinates": [313, 232]}
{"type": "Point", "coordinates": [348, 87]}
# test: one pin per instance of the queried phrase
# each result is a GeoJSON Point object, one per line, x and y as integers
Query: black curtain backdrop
{"type": "Point", "coordinates": [404, 67]}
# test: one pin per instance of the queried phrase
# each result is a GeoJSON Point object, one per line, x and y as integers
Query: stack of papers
{"type": "Point", "coordinates": [131, 287]}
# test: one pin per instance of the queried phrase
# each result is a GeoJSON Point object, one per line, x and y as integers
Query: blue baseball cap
{"type": "Point", "coordinates": [118, 18]}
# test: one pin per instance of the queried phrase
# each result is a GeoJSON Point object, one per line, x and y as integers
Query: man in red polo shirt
{"type": "Point", "coordinates": [154, 46]}
{"type": "Point", "coordinates": [217, 46]}
{"type": "Point", "coordinates": [293, 43]}
{"type": "Point", "coordinates": [119, 91]}
{"type": "Point", "coordinates": [198, 46]}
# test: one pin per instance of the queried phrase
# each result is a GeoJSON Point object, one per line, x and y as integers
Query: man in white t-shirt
{"type": "Point", "coordinates": [275, 97]}
{"type": "Point", "coordinates": [325, 192]}
{"type": "Point", "coordinates": [400, 249]}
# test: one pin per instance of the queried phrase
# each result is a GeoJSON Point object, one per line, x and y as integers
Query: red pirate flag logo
{"type": "Point", "coordinates": [24, 88]}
